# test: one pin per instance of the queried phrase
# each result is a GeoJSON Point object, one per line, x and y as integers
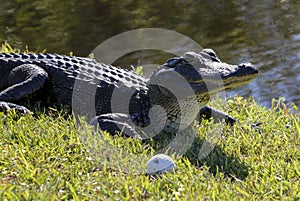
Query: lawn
{"type": "Point", "coordinates": [46, 156]}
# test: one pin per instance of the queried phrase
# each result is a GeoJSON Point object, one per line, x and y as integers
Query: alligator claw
{"type": "Point", "coordinates": [255, 125]}
{"type": "Point", "coordinates": [230, 120]}
{"type": "Point", "coordinates": [208, 112]}
{"type": "Point", "coordinates": [5, 106]}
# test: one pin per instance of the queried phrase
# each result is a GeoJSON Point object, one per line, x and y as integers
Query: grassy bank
{"type": "Point", "coordinates": [47, 157]}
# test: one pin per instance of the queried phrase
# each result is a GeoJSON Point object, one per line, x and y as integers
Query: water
{"type": "Point", "coordinates": [266, 33]}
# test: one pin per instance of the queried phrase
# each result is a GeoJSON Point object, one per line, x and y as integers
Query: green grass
{"type": "Point", "coordinates": [47, 157]}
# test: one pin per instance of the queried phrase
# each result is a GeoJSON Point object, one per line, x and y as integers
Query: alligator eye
{"type": "Point", "coordinates": [211, 53]}
{"type": "Point", "coordinates": [174, 61]}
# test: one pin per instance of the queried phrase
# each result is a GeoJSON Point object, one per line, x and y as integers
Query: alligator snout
{"type": "Point", "coordinates": [246, 69]}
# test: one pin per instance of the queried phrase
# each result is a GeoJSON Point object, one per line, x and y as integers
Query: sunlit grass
{"type": "Point", "coordinates": [48, 157]}
{"type": "Point", "coordinates": [45, 157]}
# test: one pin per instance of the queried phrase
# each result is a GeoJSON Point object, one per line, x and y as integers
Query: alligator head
{"type": "Point", "coordinates": [203, 72]}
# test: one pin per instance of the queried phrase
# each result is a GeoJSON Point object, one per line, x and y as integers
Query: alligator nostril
{"type": "Point", "coordinates": [245, 65]}
{"type": "Point", "coordinates": [248, 67]}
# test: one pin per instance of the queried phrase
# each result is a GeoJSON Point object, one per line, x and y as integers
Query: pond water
{"type": "Point", "coordinates": [266, 33]}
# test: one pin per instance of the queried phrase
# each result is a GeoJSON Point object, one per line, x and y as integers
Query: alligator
{"type": "Point", "coordinates": [119, 100]}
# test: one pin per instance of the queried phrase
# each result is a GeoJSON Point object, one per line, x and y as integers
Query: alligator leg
{"type": "Point", "coordinates": [115, 123]}
{"type": "Point", "coordinates": [22, 81]}
{"type": "Point", "coordinates": [208, 112]}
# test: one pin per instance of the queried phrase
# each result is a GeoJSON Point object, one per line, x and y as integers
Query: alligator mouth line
{"type": "Point", "coordinates": [207, 85]}
{"type": "Point", "coordinates": [237, 81]}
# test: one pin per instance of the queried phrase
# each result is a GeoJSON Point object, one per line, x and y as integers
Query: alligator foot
{"type": "Point", "coordinates": [5, 106]}
{"type": "Point", "coordinates": [115, 123]}
{"type": "Point", "coordinates": [208, 112]}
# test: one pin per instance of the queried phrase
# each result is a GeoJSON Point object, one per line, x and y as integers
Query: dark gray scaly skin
{"type": "Point", "coordinates": [54, 76]}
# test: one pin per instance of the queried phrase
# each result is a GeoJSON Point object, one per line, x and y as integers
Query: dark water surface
{"type": "Point", "coordinates": [266, 33]}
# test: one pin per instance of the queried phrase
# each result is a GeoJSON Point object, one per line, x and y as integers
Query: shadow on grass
{"type": "Point", "coordinates": [218, 161]}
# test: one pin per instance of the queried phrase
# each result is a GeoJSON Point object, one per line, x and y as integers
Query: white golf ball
{"type": "Point", "coordinates": [160, 163]}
